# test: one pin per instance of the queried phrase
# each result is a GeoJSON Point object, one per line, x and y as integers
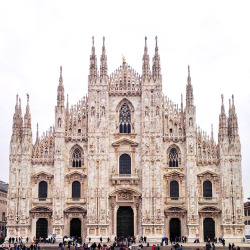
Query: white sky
{"type": "Point", "coordinates": [36, 37]}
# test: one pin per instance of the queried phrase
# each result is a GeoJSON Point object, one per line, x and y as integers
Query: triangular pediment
{"type": "Point", "coordinates": [42, 176]}
{"type": "Point", "coordinates": [75, 209]}
{"type": "Point", "coordinates": [125, 141]}
{"type": "Point", "coordinates": [175, 209]}
{"type": "Point", "coordinates": [208, 172]}
{"type": "Point", "coordinates": [75, 175]}
{"type": "Point", "coordinates": [41, 209]}
{"type": "Point", "coordinates": [174, 172]}
{"type": "Point", "coordinates": [209, 209]}
{"type": "Point", "coordinates": [132, 191]}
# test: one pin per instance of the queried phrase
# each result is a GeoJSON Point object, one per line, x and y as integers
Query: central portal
{"type": "Point", "coordinates": [125, 222]}
{"type": "Point", "coordinates": [75, 227]}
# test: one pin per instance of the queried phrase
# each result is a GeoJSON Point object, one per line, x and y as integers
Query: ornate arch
{"type": "Point", "coordinates": [75, 176]}
{"type": "Point", "coordinates": [171, 157]}
{"type": "Point", "coordinates": [42, 176]}
{"type": "Point", "coordinates": [125, 100]}
{"type": "Point", "coordinates": [76, 158]}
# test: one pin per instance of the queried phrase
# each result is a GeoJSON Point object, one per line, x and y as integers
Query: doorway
{"type": "Point", "coordinates": [125, 222]}
{"type": "Point", "coordinates": [209, 229]}
{"type": "Point", "coordinates": [175, 229]}
{"type": "Point", "coordinates": [42, 228]}
{"type": "Point", "coordinates": [75, 227]}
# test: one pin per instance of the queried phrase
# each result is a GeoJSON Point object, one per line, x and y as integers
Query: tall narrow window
{"type": "Point", "coordinates": [42, 190]}
{"type": "Point", "coordinates": [207, 189]}
{"type": "Point", "coordinates": [125, 119]}
{"type": "Point", "coordinates": [125, 164]}
{"type": "Point", "coordinates": [76, 190]}
{"type": "Point", "coordinates": [173, 158]}
{"type": "Point", "coordinates": [174, 189]}
{"type": "Point", "coordinates": [76, 158]}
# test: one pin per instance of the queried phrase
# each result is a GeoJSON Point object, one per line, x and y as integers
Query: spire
{"type": "Point", "coordinates": [145, 62]}
{"type": "Point", "coordinates": [104, 66]}
{"type": "Point", "coordinates": [67, 102]}
{"type": "Point", "coordinates": [17, 121]}
{"type": "Point", "coordinates": [27, 117]}
{"type": "Point", "coordinates": [234, 119]}
{"type": "Point", "coordinates": [60, 91]}
{"type": "Point", "coordinates": [93, 63]}
{"type": "Point", "coordinates": [156, 62]}
{"type": "Point", "coordinates": [223, 130]}
{"type": "Point", "coordinates": [182, 103]}
{"type": "Point", "coordinates": [37, 133]}
{"type": "Point", "coordinates": [189, 90]}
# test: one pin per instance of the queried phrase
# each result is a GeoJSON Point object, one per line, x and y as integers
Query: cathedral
{"type": "Point", "coordinates": [125, 161]}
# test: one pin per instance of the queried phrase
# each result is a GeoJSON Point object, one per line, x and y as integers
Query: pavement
{"type": "Point", "coordinates": [186, 246]}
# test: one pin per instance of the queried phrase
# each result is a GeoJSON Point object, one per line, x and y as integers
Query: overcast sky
{"type": "Point", "coordinates": [213, 37]}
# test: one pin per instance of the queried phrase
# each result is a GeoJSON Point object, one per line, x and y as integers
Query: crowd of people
{"type": "Point", "coordinates": [120, 243]}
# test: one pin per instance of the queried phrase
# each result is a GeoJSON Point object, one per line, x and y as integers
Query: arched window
{"type": "Point", "coordinates": [125, 164]}
{"type": "Point", "coordinates": [174, 189]}
{"type": "Point", "coordinates": [76, 190]}
{"type": "Point", "coordinates": [42, 190]}
{"type": "Point", "coordinates": [207, 189]}
{"type": "Point", "coordinates": [125, 119]}
{"type": "Point", "coordinates": [76, 158]}
{"type": "Point", "coordinates": [173, 158]}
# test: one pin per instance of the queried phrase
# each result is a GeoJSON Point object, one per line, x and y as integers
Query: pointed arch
{"type": "Point", "coordinates": [125, 111]}
{"type": "Point", "coordinates": [76, 156]}
{"type": "Point", "coordinates": [173, 156]}
{"type": "Point", "coordinates": [128, 102]}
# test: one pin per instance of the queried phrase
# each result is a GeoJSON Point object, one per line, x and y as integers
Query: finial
{"type": "Point", "coordinates": [28, 97]}
{"type": "Point", "coordinates": [222, 99]}
{"type": "Point", "coordinates": [61, 71]}
{"type": "Point", "coordinates": [229, 103]}
{"type": "Point", "coordinates": [103, 39]}
{"type": "Point", "coordinates": [146, 41]}
{"type": "Point", "coordinates": [188, 70]}
{"type": "Point", "coordinates": [232, 99]}
{"type": "Point", "coordinates": [93, 41]}
{"type": "Point", "coordinates": [156, 41]}
{"type": "Point", "coordinates": [123, 58]}
{"type": "Point", "coordinates": [20, 102]}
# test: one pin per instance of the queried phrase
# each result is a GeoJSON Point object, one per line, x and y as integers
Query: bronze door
{"type": "Point", "coordinates": [208, 229]}
{"type": "Point", "coordinates": [75, 227]}
{"type": "Point", "coordinates": [125, 222]}
{"type": "Point", "coordinates": [42, 228]}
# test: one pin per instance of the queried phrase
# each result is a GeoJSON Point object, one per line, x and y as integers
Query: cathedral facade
{"type": "Point", "coordinates": [125, 161]}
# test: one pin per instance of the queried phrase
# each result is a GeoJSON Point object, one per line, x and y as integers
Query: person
{"type": "Point", "coordinates": [208, 246]}
{"type": "Point", "coordinates": [213, 246]}
{"type": "Point", "coordinates": [101, 239]}
{"type": "Point", "coordinates": [27, 239]}
{"type": "Point", "coordinates": [181, 247]}
{"type": "Point", "coordinates": [89, 239]}
{"type": "Point", "coordinates": [229, 246]}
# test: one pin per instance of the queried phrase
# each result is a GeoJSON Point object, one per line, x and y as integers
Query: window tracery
{"type": "Point", "coordinates": [173, 158]}
{"type": "Point", "coordinates": [125, 119]}
{"type": "Point", "coordinates": [76, 158]}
